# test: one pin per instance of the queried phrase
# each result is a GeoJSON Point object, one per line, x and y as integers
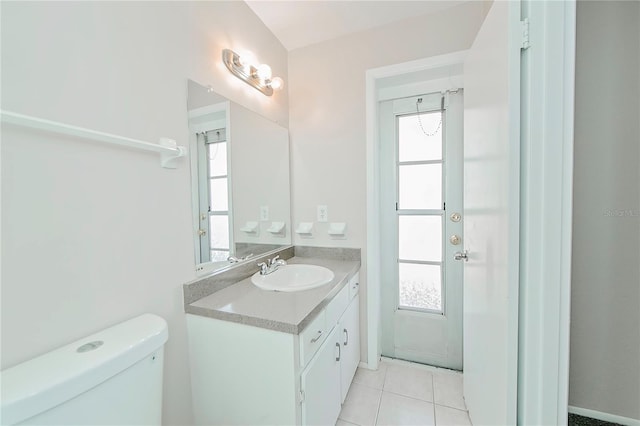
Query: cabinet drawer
{"type": "Point", "coordinates": [336, 307]}
{"type": "Point", "coordinates": [312, 337]}
{"type": "Point", "coordinates": [354, 285]}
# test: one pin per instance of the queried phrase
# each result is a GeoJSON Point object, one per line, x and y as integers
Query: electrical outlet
{"type": "Point", "coordinates": [323, 213]}
{"type": "Point", "coordinates": [264, 213]}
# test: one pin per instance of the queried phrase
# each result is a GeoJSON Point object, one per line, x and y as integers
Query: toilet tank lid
{"type": "Point", "coordinates": [57, 376]}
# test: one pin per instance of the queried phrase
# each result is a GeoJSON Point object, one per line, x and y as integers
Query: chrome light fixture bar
{"type": "Point", "coordinates": [258, 76]}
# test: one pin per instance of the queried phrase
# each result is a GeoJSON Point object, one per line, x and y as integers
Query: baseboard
{"type": "Point", "coordinates": [606, 417]}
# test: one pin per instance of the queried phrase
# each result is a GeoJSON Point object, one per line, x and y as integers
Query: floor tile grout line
{"type": "Point", "coordinates": [453, 408]}
{"type": "Point", "coordinates": [433, 393]}
{"type": "Point", "coordinates": [375, 422]}
{"type": "Point", "coordinates": [410, 397]}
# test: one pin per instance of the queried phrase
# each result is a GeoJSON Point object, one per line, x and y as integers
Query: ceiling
{"type": "Point", "coordinates": [299, 23]}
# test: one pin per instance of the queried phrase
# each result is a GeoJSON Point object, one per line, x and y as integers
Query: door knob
{"type": "Point", "coordinates": [459, 255]}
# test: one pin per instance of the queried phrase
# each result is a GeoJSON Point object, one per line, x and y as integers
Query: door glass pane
{"type": "Point", "coordinates": [219, 230]}
{"type": "Point", "coordinates": [217, 159]}
{"type": "Point", "coordinates": [420, 286]}
{"type": "Point", "coordinates": [219, 200]}
{"type": "Point", "coordinates": [420, 186]}
{"type": "Point", "coordinates": [414, 144]}
{"type": "Point", "coordinates": [219, 255]}
{"type": "Point", "coordinates": [420, 238]}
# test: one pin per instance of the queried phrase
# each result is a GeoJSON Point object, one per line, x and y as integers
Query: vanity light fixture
{"type": "Point", "coordinates": [258, 76]}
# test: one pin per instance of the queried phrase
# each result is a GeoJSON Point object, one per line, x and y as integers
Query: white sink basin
{"type": "Point", "coordinates": [295, 277]}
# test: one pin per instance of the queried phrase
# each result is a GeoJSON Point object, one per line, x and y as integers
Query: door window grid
{"type": "Point", "coordinates": [218, 197]}
{"type": "Point", "coordinates": [420, 278]}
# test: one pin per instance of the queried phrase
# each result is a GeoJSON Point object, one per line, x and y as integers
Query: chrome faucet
{"type": "Point", "coordinates": [271, 265]}
{"type": "Point", "coordinates": [233, 259]}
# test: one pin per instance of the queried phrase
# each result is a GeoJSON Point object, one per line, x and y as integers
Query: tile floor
{"type": "Point", "coordinates": [401, 393]}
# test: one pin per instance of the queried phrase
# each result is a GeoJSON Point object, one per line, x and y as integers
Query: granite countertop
{"type": "Point", "coordinates": [245, 303]}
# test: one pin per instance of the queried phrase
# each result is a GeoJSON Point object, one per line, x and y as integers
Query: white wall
{"type": "Point", "coordinates": [260, 164]}
{"type": "Point", "coordinates": [605, 299]}
{"type": "Point", "coordinates": [93, 234]}
{"type": "Point", "coordinates": [327, 116]}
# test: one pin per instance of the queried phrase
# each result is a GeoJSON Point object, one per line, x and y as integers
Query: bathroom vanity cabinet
{"type": "Point", "coordinates": [325, 380]}
{"type": "Point", "coordinates": [243, 374]}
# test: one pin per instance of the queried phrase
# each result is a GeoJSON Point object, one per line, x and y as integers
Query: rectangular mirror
{"type": "Point", "coordinates": [240, 181]}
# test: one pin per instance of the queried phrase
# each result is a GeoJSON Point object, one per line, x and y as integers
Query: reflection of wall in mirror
{"type": "Point", "coordinates": [260, 164]}
{"type": "Point", "coordinates": [199, 96]}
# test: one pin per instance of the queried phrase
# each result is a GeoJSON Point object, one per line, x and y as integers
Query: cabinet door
{"type": "Point", "coordinates": [349, 328]}
{"type": "Point", "coordinates": [320, 382]}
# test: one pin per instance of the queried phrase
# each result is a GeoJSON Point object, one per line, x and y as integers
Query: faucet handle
{"type": "Point", "coordinates": [273, 261]}
{"type": "Point", "coordinates": [263, 268]}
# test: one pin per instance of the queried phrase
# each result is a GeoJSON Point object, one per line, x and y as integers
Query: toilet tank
{"type": "Point", "coordinates": [113, 377]}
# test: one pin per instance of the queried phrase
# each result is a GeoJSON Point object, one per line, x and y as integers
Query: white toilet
{"type": "Point", "coordinates": [113, 377]}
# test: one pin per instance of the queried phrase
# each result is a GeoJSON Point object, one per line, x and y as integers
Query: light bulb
{"type": "Point", "coordinates": [246, 60]}
{"type": "Point", "coordinates": [263, 71]}
{"type": "Point", "coordinates": [277, 83]}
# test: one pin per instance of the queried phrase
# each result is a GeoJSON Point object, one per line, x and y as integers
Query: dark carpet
{"type": "Point", "coordinates": [576, 420]}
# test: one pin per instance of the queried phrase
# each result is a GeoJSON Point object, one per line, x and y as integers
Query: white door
{"type": "Point", "coordinates": [491, 217]}
{"type": "Point", "coordinates": [421, 228]}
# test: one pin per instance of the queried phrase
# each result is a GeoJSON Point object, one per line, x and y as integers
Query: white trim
{"type": "Point", "coordinates": [429, 86]}
{"type": "Point", "coordinates": [568, 108]}
{"type": "Point", "coordinates": [373, 190]}
{"type": "Point", "coordinates": [547, 170]}
{"type": "Point", "coordinates": [605, 417]}
{"type": "Point", "coordinates": [514, 207]}
{"type": "Point", "coordinates": [454, 58]}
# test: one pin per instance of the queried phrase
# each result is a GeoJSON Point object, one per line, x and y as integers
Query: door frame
{"type": "Point", "coordinates": [552, 158]}
{"type": "Point", "coordinates": [547, 212]}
